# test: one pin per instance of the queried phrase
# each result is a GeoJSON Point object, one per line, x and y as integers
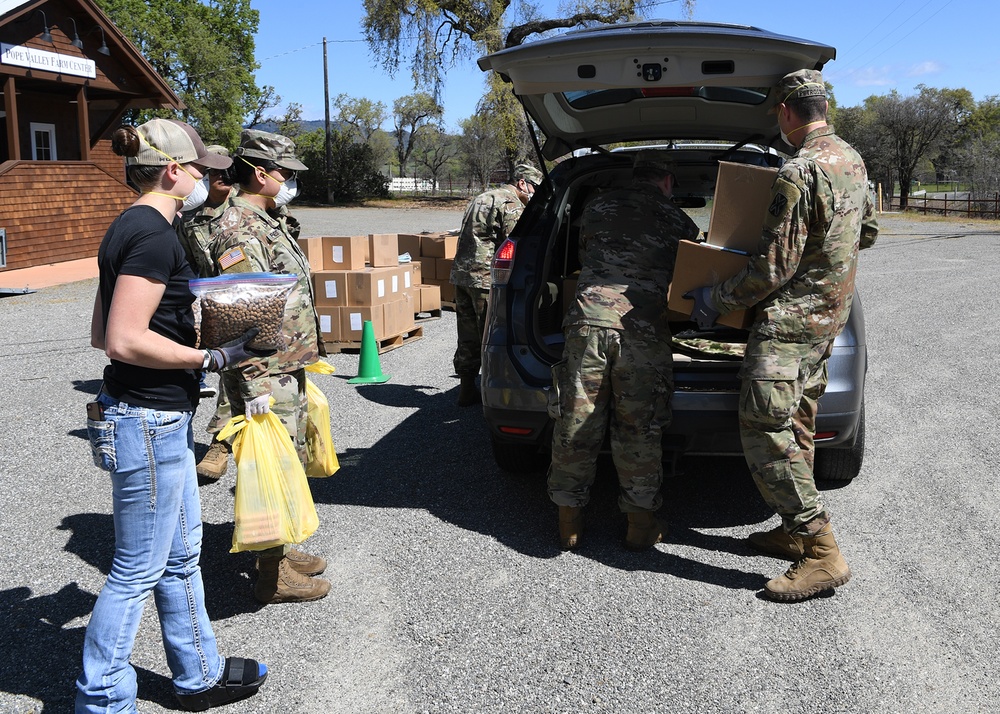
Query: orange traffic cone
{"type": "Point", "coordinates": [369, 369]}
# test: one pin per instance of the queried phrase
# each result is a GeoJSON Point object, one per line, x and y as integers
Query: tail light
{"type": "Point", "coordinates": [502, 262]}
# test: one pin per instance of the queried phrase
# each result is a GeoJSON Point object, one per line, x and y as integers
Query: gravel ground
{"type": "Point", "coordinates": [449, 594]}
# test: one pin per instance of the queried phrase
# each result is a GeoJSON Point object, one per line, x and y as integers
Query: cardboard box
{"type": "Point", "coordinates": [700, 264]}
{"type": "Point", "coordinates": [438, 245]}
{"type": "Point", "coordinates": [369, 286]}
{"type": "Point", "coordinates": [398, 278]}
{"type": "Point", "coordinates": [383, 250]}
{"type": "Point", "coordinates": [409, 310]}
{"type": "Point", "coordinates": [329, 323]}
{"type": "Point", "coordinates": [409, 243]}
{"type": "Point", "coordinates": [399, 315]}
{"type": "Point", "coordinates": [428, 268]}
{"type": "Point", "coordinates": [742, 193]}
{"type": "Point", "coordinates": [330, 287]}
{"type": "Point", "coordinates": [352, 321]}
{"type": "Point", "coordinates": [447, 292]}
{"type": "Point", "coordinates": [442, 268]}
{"type": "Point", "coordinates": [417, 268]}
{"type": "Point", "coordinates": [344, 252]}
{"type": "Point", "coordinates": [312, 249]}
{"type": "Point", "coordinates": [430, 298]}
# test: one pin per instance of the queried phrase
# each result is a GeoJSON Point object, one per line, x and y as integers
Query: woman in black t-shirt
{"type": "Point", "coordinates": [140, 431]}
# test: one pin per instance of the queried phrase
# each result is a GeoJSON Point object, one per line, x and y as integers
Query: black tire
{"type": "Point", "coordinates": [518, 458]}
{"type": "Point", "coordinates": [842, 464]}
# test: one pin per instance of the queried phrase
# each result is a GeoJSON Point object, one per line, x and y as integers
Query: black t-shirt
{"type": "Point", "coordinates": [140, 242]}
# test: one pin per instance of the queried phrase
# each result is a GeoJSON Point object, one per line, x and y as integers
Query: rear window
{"type": "Point", "coordinates": [591, 98]}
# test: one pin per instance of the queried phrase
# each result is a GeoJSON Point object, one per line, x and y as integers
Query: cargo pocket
{"type": "Point", "coordinates": [101, 435]}
{"type": "Point", "coordinates": [554, 393]}
{"type": "Point", "coordinates": [771, 392]}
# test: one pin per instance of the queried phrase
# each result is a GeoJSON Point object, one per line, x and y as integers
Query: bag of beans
{"type": "Point", "coordinates": [226, 306]}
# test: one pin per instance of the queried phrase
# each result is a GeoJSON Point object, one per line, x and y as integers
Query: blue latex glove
{"type": "Point", "coordinates": [704, 312]}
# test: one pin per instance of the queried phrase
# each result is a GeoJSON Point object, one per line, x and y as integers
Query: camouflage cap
{"type": "Point", "coordinates": [273, 147]}
{"type": "Point", "coordinates": [798, 85]}
{"type": "Point", "coordinates": [220, 151]}
{"type": "Point", "coordinates": [653, 159]}
{"type": "Point", "coordinates": [529, 173]}
{"type": "Point", "coordinates": [167, 140]}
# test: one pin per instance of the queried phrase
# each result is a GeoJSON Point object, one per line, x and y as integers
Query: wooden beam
{"type": "Point", "coordinates": [10, 106]}
{"type": "Point", "coordinates": [113, 119]}
{"type": "Point", "coordinates": [83, 123]}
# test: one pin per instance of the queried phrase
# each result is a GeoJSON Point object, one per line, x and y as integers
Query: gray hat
{"type": "Point", "coordinates": [272, 147]}
{"type": "Point", "coordinates": [221, 151]}
{"type": "Point", "coordinates": [529, 173]}
{"type": "Point", "coordinates": [167, 140]}
{"type": "Point", "coordinates": [653, 159]}
{"type": "Point", "coordinates": [798, 85]}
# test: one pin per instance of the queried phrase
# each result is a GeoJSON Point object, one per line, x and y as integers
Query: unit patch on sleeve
{"type": "Point", "coordinates": [231, 258]}
{"type": "Point", "coordinates": [784, 196]}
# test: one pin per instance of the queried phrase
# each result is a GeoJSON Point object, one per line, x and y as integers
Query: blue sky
{"type": "Point", "coordinates": [881, 45]}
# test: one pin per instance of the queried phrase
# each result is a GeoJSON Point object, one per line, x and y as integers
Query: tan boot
{"type": "Point", "coordinates": [778, 543]}
{"type": "Point", "coordinates": [214, 463]}
{"type": "Point", "coordinates": [644, 530]}
{"type": "Point", "coordinates": [570, 527]}
{"type": "Point", "coordinates": [821, 567]}
{"type": "Point", "coordinates": [468, 392]}
{"type": "Point", "coordinates": [308, 565]}
{"type": "Point", "coordinates": [278, 581]}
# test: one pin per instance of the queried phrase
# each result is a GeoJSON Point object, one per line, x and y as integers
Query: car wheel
{"type": "Point", "coordinates": [518, 458]}
{"type": "Point", "coordinates": [842, 464]}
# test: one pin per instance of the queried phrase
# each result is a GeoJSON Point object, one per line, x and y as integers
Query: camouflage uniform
{"type": "Point", "coordinates": [266, 240]}
{"type": "Point", "coordinates": [802, 282]}
{"type": "Point", "coordinates": [488, 220]}
{"type": "Point", "coordinates": [617, 365]}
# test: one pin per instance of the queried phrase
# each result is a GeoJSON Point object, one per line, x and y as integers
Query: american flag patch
{"type": "Point", "coordinates": [231, 258]}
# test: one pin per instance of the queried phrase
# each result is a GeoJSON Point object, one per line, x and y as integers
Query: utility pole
{"type": "Point", "coordinates": [329, 149]}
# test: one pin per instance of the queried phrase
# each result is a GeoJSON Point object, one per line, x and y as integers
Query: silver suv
{"type": "Point", "coordinates": [699, 92]}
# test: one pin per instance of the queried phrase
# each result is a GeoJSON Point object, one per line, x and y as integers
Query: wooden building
{"type": "Point", "coordinates": [67, 75]}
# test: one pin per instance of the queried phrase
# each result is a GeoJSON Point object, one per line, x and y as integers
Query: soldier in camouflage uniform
{"type": "Point", "coordinates": [802, 283]}
{"type": "Point", "coordinates": [617, 365]}
{"type": "Point", "coordinates": [195, 233]}
{"type": "Point", "coordinates": [254, 233]}
{"type": "Point", "coordinates": [488, 220]}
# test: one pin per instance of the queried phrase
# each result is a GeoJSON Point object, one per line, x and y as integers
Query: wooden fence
{"type": "Point", "coordinates": [968, 207]}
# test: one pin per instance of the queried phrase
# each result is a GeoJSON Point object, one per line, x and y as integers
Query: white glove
{"type": "Point", "coordinates": [258, 405]}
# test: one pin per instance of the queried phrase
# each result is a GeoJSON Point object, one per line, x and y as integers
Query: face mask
{"type": "Point", "coordinates": [286, 192]}
{"type": "Point", "coordinates": [784, 137]}
{"type": "Point", "coordinates": [198, 196]}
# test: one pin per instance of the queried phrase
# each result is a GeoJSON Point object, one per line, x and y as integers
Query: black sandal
{"type": "Point", "coordinates": [241, 678]}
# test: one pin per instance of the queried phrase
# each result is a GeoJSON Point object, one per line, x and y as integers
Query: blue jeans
{"type": "Point", "coordinates": [157, 516]}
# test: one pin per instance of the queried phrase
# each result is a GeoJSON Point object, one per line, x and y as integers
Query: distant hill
{"type": "Point", "coordinates": [307, 126]}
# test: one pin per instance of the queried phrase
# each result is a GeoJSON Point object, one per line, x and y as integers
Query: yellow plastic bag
{"type": "Point", "coordinates": [323, 459]}
{"type": "Point", "coordinates": [273, 503]}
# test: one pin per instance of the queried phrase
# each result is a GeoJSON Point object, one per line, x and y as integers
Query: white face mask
{"type": "Point", "coordinates": [286, 193]}
{"type": "Point", "coordinates": [198, 196]}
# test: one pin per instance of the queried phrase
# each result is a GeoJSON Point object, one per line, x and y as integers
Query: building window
{"type": "Point", "coordinates": [43, 141]}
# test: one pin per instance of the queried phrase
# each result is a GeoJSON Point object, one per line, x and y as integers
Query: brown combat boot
{"type": "Point", "coordinates": [305, 564]}
{"type": "Point", "coordinates": [644, 530]}
{"type": "Point", "coordinates": [820, 568]}
{"type": "Point", "coordinates": [278, 581]}
{"type": "Point", "coordinates": [570, 527]}
{"type": "Point", "coordinates": [778, 543]}
{"type": "Point", "coordinates": [468, 392]}
{"type": "Point", "coordinates": [214, 463]}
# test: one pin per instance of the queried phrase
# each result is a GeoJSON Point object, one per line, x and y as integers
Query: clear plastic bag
{"type": "Point", "coordinates": [274, 505]}
{"type": "Point", "coordinates": [323, 461]}
{"type": "Point", "coordinates": [229, 305]}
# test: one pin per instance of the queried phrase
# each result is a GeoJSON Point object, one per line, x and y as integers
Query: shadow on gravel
{"type": "Point", "coordinates": [228, 577]}
{"type": "Point", "coordinates": [42, 658]}
{"type": "Point", "coordinates": [88, 386]}
{"type": "Point", "coordinates": [439, 459]}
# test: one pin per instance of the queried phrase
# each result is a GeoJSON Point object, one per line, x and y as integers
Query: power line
{"type": "Point", "coordinates": [849, 50]}
{"type": "Point", "coordinates": [886, 49]}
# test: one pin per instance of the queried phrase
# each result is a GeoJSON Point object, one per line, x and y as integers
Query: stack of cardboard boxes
{"type": "Point", "coordinates": [435, 252]}
{"type": "Point", "coordinates": [359, 278]}
{"type": "Point", "coordinates": [740, 204]}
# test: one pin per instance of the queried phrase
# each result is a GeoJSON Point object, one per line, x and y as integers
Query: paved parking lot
{"type": "Point", "coordinates": [449, 593]}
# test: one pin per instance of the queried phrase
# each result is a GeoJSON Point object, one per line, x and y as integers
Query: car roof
{"type": "Point", "coordinates": [653, 80]}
